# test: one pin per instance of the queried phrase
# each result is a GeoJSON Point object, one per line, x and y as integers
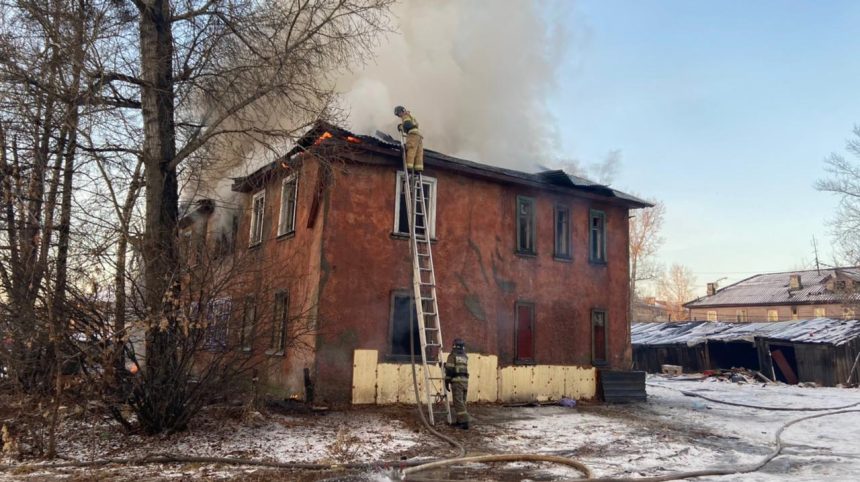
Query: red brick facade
{"type": "Point", "coordinates": [343, 264]}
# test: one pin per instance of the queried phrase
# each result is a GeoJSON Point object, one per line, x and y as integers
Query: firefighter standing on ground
{"type": "Point", "coordinates": [457, 380]}
{"type": "Point", "coordinates": [414, 139]}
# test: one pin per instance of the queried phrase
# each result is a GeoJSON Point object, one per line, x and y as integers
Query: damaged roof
{"type": "Point", "coordinates": [817, 330]}
{"type": "Point", "coordinates": [774, 289]}
{"type": "Point", "coordinates": [390, 148]}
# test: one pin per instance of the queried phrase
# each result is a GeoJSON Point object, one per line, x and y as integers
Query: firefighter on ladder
{"type": "Point", "coordinates": [414, 140]}
{"type": "Point", "coordinates": [457, 380]}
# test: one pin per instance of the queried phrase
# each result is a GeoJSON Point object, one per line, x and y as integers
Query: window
{"type": "Point", "coordinates": [258, 207]}
{"type": "Point", "coordinates": [712, 316]}
{"type": "Point", "coordinates": [820, 312]}
{"type": "Point", "coordinates": [772, 315]}
{"type": "Point", "coordinates": [598, 337]}
{"type": "Point", "coordinates": [562, 232]}
{"type": "Point", "coordinates": [526, 225]}
{"type": "Point", "coordinates": [287, 216]}
{"type": "Point", "coordinates": [401, 214]}
{"type": "Point", "coordinates": [249, 320]}
{"type": "Point", "coordinates": [402, 314]}
{"type": "Point", "coordinates": [525, 335]}
{"type": "Point", "coordinates": [597, 237]}
{"type": "Point", "coordinates": [217, 319]}
{"type": "Point", "coordinates": [279, 323]}
{"type": "Point", "coordinates": [741, 316]}
{"type": "Point", "coordinates": [793, 312]}
{"type": "Point", "coordinates": [847, 313]}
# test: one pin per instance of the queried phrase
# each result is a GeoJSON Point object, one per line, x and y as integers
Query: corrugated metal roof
{"type": "Point", "coordinates": [817, 330]}
{"type": "Point", "coordinates": [773, 289]}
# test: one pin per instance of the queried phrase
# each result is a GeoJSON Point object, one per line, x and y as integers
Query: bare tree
{"type": "Point", "coordinates": [645, 240]}
{"type": "Point", "coordinates": [676, 286]}
{"type": "Point", "coordinates": [843, 180]}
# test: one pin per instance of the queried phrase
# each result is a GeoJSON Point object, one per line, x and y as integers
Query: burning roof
{"type": "Point", "coordinates": [324, 136]}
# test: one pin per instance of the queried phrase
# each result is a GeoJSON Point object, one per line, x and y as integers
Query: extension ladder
{"type": "Point", "coordinates": [438, 399]}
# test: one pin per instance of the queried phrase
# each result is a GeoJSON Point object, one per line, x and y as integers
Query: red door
{"type": "Point", "coordinates": [525, 332]}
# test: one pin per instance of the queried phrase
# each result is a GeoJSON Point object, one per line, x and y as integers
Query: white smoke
{"type": "Point", "coordinates": [475, 74]}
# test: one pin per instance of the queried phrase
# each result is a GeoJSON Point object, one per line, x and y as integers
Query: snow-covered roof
{"type": "Point", "coordinates": [774, 289]}
{"type": "Point", "coordinates": [817, 330]}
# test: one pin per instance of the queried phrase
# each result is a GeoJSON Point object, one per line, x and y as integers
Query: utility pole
{"type": "Point", "coordinates": [815, 247]}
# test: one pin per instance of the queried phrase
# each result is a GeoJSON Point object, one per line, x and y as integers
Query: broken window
{"type": "Point", "coordinates": [598, 337]}
{"type": "Point", "coordinates": [287, 216]}
{"type": "Point", "coordinates": [712, 316]}
{"type": "Point", "coordinates": [525, 335]}
{"type": "Point", "coordinates": [562, 232]}
{"type": "Point", "coordinates": [402, 314]}
{"type": "Point", "coordinates": [401, 214]}
{"type": "Point", "coordinates": [772, 315]}
{"type": "Point", "coordinates": [526, 225]}
{"type": "Point", "coordinates": [217, 319]}
{"type": "Point", "coordinates": [597, 238]}
{"type": "Point", "coordinates": [249, 320]}
{"type": "Point", "coordinates": [820, 312]}
{"type": "Point", "coordinates": [279, 323]}
{"type": "Point", "coordinates": [258, 206]}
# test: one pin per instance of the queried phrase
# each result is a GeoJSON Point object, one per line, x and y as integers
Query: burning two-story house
{"type": "Point", "coordinates": [531, 270]}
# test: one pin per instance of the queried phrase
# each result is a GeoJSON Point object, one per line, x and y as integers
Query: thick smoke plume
{"type": "Point", "coordinates": [475, 74]}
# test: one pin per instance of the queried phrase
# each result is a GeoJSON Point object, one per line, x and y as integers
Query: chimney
{"type": "Point", "coordinates": [712, 289]}
{"type": "Point", "coordinates": [794, 282]}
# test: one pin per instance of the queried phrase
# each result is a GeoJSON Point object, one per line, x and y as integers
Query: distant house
{"type": "Point", "coordinates": [650, 309]}
{"type": "Point", "coordinates": [792, 295]}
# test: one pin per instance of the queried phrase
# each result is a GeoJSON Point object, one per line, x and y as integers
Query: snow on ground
{"type": "Point", "coordinates": [670, 432]}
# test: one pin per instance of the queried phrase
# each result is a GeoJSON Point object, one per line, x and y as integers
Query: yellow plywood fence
{"type": "Point", "coordinates": [383, 383]}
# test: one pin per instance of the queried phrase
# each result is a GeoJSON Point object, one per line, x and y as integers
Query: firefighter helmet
{"type": "Point", "coordinates": [399, 110]}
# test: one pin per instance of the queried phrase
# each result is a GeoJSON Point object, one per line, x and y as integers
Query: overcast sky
{"type": "Point", "coordinates": [724, 111]}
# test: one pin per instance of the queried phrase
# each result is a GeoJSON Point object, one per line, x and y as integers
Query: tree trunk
{"type": "Point", "coordinates": [161, 290]}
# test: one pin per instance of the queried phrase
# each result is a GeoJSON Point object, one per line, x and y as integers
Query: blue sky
{"type": "Point", "coordinates": [724, 111]}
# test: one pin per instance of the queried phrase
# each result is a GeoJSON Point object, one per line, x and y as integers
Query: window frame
{"type": "Point", "coordinates": [568, 235]}
{"type": "Point", "coordinates": [519, 360]}
{"type": "Point", "coordinates": [711, 315]}
{"type": "Point", "coordinates": [741, 315]}
{"type": "Point", "coordinates": [257, 223]}
{"type": "Point", "coordinates": [401, 357]}
{"type": "Point", "coordinates": [775, 313]}
{"type": "Point", "coordinates": [533, 231]}
{"type": "Point", "coordinates": [286, 212]}
{"type": "Point", "coordinates": [594, 360]}
{"type": "Point", "coordinates": [822, 311]}
{"type": "Point", "coordinates": [848, 313]}
{"type": "Point", "coordinates": [279, 324]}
{"type": "Point", "coordinates": [601, 256]}
{"type": "Point", "coordinates": [217, 332]}
{"type": "Point", "coordinates": [398, 192]}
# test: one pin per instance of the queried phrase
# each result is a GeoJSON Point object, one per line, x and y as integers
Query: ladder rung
{"type": "Point", "coordinates": [430, 329]}
{"type": "Point", "coordinates": [424, 298]}
{"type": "Point", "coordinates": [424, 255]}
{"type": "Point", "coordinates": [432, 344]}
{"type": "Point", "coordinates": [429, 313]}
{"type": "Point", "coordinates": [425, 269]}
{"type": "Point", "coordinates": [429, 285]}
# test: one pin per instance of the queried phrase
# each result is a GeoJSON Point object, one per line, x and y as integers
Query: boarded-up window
{"type": "Point", "coordinates": [712, 316]}
{"type": "Point", "coordinates": [772, 315]}
{"type": "Point", "coordinates": [287, 216]}
{"type": "Point", "coordinates": [820, 312]}
{"type": "Point", "coordinates": [525, 335]}
{"type": "Point", "coordinates": [258, 207]}
{"type": "Point", "coordinates": [562, 232]}
{"type": "Point", "coordinates": [402, 314]}
{"type": "Point", "coordinates": [598, 337]}
{"type": "Point", "coordinates": [597, 237]}
{"type": "Point", "coordinates": [847, 313]}
{"type": "Point", "coordinates": [279, 322]}
{"type": "Point", "coordinates": [249, 319]}
{"type": "Point", "coordinates": [742, 315]}
{"type": "Point", "coordinates": [526, 225]}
